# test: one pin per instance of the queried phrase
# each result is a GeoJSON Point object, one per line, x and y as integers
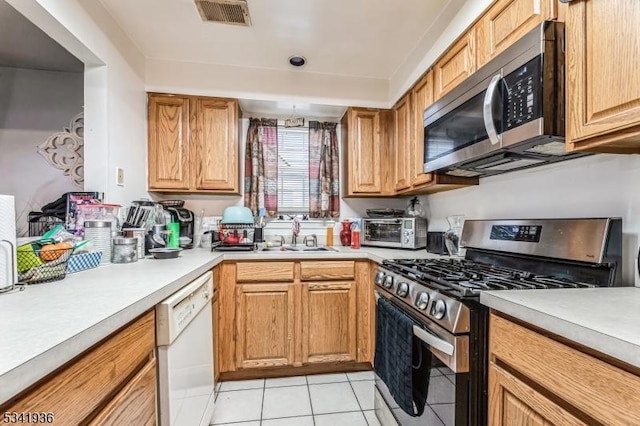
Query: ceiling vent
{"type": "Point", "coordinates": [234, 12]}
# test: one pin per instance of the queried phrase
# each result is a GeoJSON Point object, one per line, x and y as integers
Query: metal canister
{"type": "Point", "coordinates": [138, 233]}
{"type": "Point", "coordinates": [99, 233]}
{"type": "Point", "coordinates": [124, 250]}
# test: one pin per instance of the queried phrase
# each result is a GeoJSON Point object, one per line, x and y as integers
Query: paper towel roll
{"type": "Point", "coordinates": [7, 233]}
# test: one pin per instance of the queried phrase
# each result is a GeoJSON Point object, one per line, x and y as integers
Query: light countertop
{"type": "Point", "coordinates": [604, 319]}
{"type": "Point", "coordinates": [48, 324]}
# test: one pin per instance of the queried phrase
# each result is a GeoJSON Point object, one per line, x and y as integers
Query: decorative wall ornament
{"type": "Point", "coordinates": [65, 150]}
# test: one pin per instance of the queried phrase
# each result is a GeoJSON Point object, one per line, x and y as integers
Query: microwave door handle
{"type": "Point", "coordinates": [433, 341]}
{"type": "Point", "coordinates": [487, 110]}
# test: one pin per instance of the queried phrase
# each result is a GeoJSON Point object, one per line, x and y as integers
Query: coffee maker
{"type": "Point", "coordinates": [185, 218]}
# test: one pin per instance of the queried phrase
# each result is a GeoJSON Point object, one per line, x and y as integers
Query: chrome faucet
{"type": "Point", "coordinates": [313, 239]}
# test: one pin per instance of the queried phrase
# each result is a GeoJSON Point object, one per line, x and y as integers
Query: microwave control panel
{"type": "Point", "coordinates": [522, 92]}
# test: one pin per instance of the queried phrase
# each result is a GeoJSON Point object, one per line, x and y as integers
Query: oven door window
{"type": "Point", "coordinates": [383, 232]}
{"type": "Point", "coordinates": [462, 127]}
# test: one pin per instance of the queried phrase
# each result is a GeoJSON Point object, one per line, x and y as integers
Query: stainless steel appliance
{"type": "Point", "coordinates": [442, 298]}
{"type": "Point", "coordinates": [509, 115]}
{"type": "Point", "coordinates": [393, 232]}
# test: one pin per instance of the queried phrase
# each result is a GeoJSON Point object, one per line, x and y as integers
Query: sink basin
{"type": "Point", "coordinates": [297, 249]}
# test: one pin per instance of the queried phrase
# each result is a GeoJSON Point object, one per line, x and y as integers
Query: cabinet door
{"type": "Point", "coordinates": [265, 315]}
{"type": "Point", "coordinates": [135, 404]}
{"type": "Point", "coordinates": [329, 322]}
{"type": "Point", "coordinates": [215, 140]}
{"type": "Point", "coordinates": [507, 21]}
{"type": "Point", "coordinates": [402, 138]}
{"type": "Point", "coordinates": [603, 88]}
{"type": "Point", "coordinates": [422, 97]}
{"type": "Point", "coordinates": [512, 402]}
{"type": "Point", "coordinates": [168, 123]}
{"type": "Point", "coordinates": [364, 158]}
{"type": "Point", "coordinates": [456, 65]}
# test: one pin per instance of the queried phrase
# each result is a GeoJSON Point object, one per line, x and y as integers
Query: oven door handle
{"type": "Point", "coordinates": [433, 341]}
{"type": "Point", "coordinates": [487, 110]}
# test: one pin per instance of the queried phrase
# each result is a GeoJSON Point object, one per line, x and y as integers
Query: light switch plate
{"type": "Point", "coordinates": [119, 177]}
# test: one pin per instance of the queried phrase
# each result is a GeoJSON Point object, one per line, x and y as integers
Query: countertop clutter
{"type": "Point", "coordinates": [603, 319]}
{"type": "Point", "coordinates": [47, 325]}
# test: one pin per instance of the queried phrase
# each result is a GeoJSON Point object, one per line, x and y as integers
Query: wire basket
{"type": "Point", "coordinates": [39, 225]}
{"type": "Point", "coordinates": [172, 203]}
{"type": "Point", "coordinates": [41, 265]}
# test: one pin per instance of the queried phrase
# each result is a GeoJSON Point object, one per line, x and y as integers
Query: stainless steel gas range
{"type": "Point", "coordinates": [441, 297]}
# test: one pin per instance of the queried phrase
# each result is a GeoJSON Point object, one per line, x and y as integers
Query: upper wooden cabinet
{"type": "Point", "coordinates": [603, 88]}
{"type": "Point", "coordinates": [366, 152]}
{"type": "Point", "coordinates": [193, 144]}
{"type": "Point", "coordinates": [456, 65]}
{"type": "Point", "coordinates": [421, 97]}
{"type": "Point", "coordinates": [508, 20]}
{"type": "Point", "coordinates": [403, 142]}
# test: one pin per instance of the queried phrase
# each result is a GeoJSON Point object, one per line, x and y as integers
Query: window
{"type": "Point", "coordinates": [293, 170]}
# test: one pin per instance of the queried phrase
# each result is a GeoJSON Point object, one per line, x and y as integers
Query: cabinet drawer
{"type": "Point", "coordinates": [264, 271]}
{"type": "Point", "coordinates": [604, 392]}
{"type": "Point", "coordinates": [77, 390]}
{"type": "Point", "coordinates": [135, 404]}
{"type": "Point", "coordinates": [327, 270]}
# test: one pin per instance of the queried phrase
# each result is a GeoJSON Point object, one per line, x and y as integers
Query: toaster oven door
{"type": "Point", "coordinates": [382, 233]}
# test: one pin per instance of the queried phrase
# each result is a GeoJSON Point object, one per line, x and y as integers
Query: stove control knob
{"type": "Point", "coordinates": [388, 282]}
{"type": "Point", "coordinates": [422, 300]}
{"type": "Point", "coordinates": [379, 278]}
{"type": "Point", "coordinates": [403, 290]}
{"type": "Point", "coordinates": [438, 309]}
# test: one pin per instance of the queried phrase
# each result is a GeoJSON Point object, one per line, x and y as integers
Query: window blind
{"type": "Point", "coordinates": [293, 170]}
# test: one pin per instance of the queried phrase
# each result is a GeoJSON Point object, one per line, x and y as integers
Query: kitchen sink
{"type": "Point", "coordinates": [298, 249]}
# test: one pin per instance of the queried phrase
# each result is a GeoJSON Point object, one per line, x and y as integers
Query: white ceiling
{"type": "Point", "coordinates": [284, 110]}
{"type": "Point", "coordinates": [26, 46]}
{"type": "Point", "coordinates": [364, 38]}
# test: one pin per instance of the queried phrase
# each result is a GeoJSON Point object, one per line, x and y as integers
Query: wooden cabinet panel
{"type": "Point", "coordinates": [169, 164]}
{"type": "Point", "coordinates": [364, 151]}
{"type": "Point", "coordinates": [135, 404]}
{"type": "Point", "coordinates": [591, 386]}
{"type": "Point", "coordinates": [264, 271]}
{"type": "Point", "coordinates": [265, 325]}
{"type": "Point", "coordinates": [603, 91]}
{"type": "Point", "coordinates": [365, 311]}
{"type": "Point", "coordinates": [422, 97]}
{"type": "Point", "coordinates": [512, 402]}
{"type": "Point", "coordinates": [324, 270]}
{"type": "Point", "coordinates": [329, 322]}
{"type": "Point", "coordinates": [456, 65]}
{"type": "Point", "coordinates": [508, 20]}
{"type": "Point", "coordinates": [216, 144]}
{"type": "Point", "coordinates": [78, 390]}
{"type": "Point", "coordinates": [402, 143]}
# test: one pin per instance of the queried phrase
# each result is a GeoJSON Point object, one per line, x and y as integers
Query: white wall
{"type": "Point", "coordinates": [34, 105]}
{"type": "Point", "coordinates": [115, 99]}
{"type": "Point", "coordinates": [597, 186]}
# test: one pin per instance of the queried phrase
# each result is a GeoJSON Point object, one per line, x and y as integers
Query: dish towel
{"type": "Point", "coordinates": [401, 360]}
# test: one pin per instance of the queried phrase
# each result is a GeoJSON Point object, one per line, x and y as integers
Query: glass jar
{"type": "Point", "coordinates": [345, 233]}
{"type": "Point", "coordinates": [124, 250]}
{"type": "Point", "coordinates": [453, 234]}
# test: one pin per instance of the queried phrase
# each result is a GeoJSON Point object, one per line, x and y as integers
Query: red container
{"type": "Point", "coordinates": [345, 233]}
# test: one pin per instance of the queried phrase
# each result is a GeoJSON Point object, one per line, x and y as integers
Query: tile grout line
{"type": "Point", "coordinates": [264, 387]}
{"type": "Point", "coordinates": [357, 400]}
{"type": "Point", "coordinates": [313, 417]}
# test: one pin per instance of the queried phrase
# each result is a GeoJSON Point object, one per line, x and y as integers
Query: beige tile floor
{"type": "Point", "coordinates": [319, 400]}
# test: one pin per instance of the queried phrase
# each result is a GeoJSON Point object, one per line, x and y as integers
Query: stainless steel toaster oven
{"type": "Point", "coordinates": [399, 232]}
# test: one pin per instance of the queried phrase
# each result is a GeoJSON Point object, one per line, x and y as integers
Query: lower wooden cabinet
{"type": "Point", "coordinates": [112, 383]}
{"type": "Point", "coordinates": [321, 312]}
{"type": "Point", "coordinates": [329, 322]}
{"type": "Point", "coordinates": [265, 320]}
{"type": "Point", "coordinates": [535, 379]}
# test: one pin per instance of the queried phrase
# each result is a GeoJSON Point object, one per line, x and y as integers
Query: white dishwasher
{"type": "Point", "coordinates": [184, 332]}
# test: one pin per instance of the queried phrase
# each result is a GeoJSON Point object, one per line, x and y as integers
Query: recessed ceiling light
{"type": "Point", "coordinates": [297, 61]}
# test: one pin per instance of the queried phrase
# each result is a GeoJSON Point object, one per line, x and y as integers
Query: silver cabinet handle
{"type": "Point", "coordinates": [487, 112]}
{"type": "Point", "coordinates": [433, 341]}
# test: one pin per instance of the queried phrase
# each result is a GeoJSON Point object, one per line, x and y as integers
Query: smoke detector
{"type": "Point", "coordinates": [233, 12]}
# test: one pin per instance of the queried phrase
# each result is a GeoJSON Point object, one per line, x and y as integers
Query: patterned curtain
{"type": "Point", "coordinates": [324, 171]}
{"type": "Point", "coordinates": [261, 166]}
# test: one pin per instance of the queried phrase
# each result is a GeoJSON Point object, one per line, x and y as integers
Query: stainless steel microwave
{"type": "Point", "coordinates": [508, 115]}
{"type": "Point", "coordinates": [396, 232]}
